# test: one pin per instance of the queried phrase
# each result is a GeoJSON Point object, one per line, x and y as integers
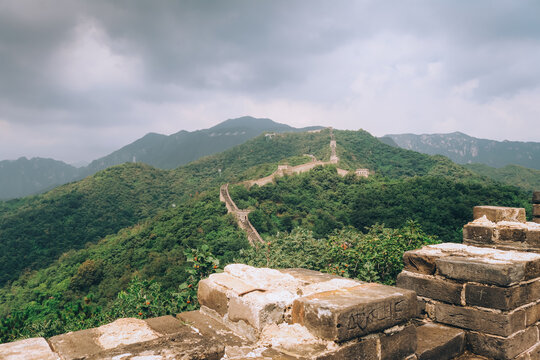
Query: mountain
{"type": "Point", "coordinates": [169, 152]}
{"type": "Point", "coordinates": [69, 252]}
{"type": "Point", "coordinates": [26, 177]}
{"type": "Point", "coordinates": [465, 149]}
{"type": "Point", "coordinates": [525, 178]}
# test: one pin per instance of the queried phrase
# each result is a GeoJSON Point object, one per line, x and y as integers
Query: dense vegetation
{"type": "Point", "coordinates": [322, 201]}
{"type": "Point", "coordinates": [37, 230]}
{"type": "Point", "coordinates": [83, 283]}
{"type": "Point", "coordinates": [525, 178]}
{"type": "Point", "coordinates": [121, 242]}
{"type": "Point", "coordinates": [374, 256]}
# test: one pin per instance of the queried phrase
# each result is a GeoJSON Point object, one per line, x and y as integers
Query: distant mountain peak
{"type": "Point", "coordinates": [465, 149]}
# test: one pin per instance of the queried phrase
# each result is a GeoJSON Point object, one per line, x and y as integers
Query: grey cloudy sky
{"type": "Point", "coordinates": [79, 79]}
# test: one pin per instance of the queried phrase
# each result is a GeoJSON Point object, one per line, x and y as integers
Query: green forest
{"type": "Point", "coordinates": [133, 240]}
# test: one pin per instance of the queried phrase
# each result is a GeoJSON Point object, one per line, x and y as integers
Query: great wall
{"type": "Point", "coordinates": [242, 215]}
{"type": "Point", "coordinates": [470, 301]}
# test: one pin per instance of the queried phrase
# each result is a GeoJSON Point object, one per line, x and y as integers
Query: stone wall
{"type": "Point", "coordinates": [492, 291]}
{"type": "Point", "coordinates": [502, 228]}
{"type": "Point", "coordinates": [536, 207]}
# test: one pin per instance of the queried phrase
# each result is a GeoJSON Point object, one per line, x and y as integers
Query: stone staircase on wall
{"type": "Point", "coordinates": [242, 216]}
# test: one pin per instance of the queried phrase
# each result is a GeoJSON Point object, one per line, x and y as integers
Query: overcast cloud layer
{"type": "Point", "coordinates": [79, 79]}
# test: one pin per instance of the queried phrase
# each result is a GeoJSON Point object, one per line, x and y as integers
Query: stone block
{"type": "Point", "coordinates": [533, 237]}
{"type": "Point", "coordinates": [502, 298]}
{"type": "Point", "coordinates": [398, 343]}
{"type": "Point", "coordinates": [490, 322]}
{"type": "Point", "coordinates": [366, 348]}
{"type": "Point", "coordinates": [27, 349]}
{"type": "Point", "coordinates": [76, 345]}
{"type": "Point", "coordinates": [502, 348]}
{"type": "Point", "coordinates": [213, 296]}
{"type": "Point", "coordinates": [439, 342]}
{"type": "Point", "coordinates": [260, 308]}
{"type": "Point", "coordinates": [165, 325]}
{"type": "Point", "coordinates": [308, 277]}
{"type": "Point", "coordinates": [479, 232]}
{"type": "Point", "coordinates": [536, 210]}
{"type": "Point", "coordinates": [187, 344]}
{"type": "Point", "coordinates": [532, 313]}
{"type": "Point", "coordinates": [87, 343]}
{"type": "Point", "coordinates": [420, 262]}
{"type": "Point", "coordinates": [514, 232]}
{"type": "Point", "coordinates": [211, 328]}
{"type": "Point", "coordinates": [344, 314]}
{"type": "Point", "coordinates": [530, 354]}
{"type": "Point", "coordinates": [430, 286]}
{"type": "Point", "coordinates": [499, 213]}
{"type": "Point", "coordinates": [536, 197]}
{"type": "Point", "coordinates": [504, 269]}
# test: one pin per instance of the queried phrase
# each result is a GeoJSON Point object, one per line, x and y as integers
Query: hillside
{"type": "Point", "coordinates": [464, 149]}
{"type": "Point", "coordinates": [23, 177]}
{"type": "Point", "coordinates": [36, 230]}
{"type": "Point", "coordinates": [525, 178]}
{"type": "Point", "coordinates": [76, 283]}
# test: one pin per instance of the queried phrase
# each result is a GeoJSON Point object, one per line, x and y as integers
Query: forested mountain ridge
{"type": "Point", "coordinates": [525, 178]}
{"type": "Point", "coordinates": [464, 149]}
{"type": "Point", "coordinates": [169, 152]}
{"type": "Point", "coordinates": [68, 294]}
{"type": "Point", "coordinates": [26, 177]}
{"type": "Point", "coordinates": [23, 177]}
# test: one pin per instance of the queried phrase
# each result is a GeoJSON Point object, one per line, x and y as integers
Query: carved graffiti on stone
{"type": "Point", "coordinates": [376, 313]}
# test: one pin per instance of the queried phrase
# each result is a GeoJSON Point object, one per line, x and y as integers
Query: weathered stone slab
{"type": "Point", "coordinates": [515, 232]}
{"type": "Point", "coordinates": [532, 313]}
{"type": "Point", "coordinates": [499, 213]}
{"type": "Point", "coordinates": [502, 298]}
{"type": "Point", "coordinates": [344, 314]}
{"type": "Point", "coordinates": [165, 325]}
{"type": "Point", "coordinates": [259, 309]}
{"type": "Point", "coordinates": [439, 342]}
{"type": "Point", "coordinates": [210, 328]}
{"type": "Point", "coordinates": [366, 348]}
{"type": "Point", "coordinates": [308, 277]}
{"type": "Point", "coordinates": [533, 238]}
{"type": "Point", "coordinates": [420, 261]}
{"type": "Point", "coordinates": [536, 209]}
{"type": "Point", "coordinates": [504, 268]}
{"type": "Point", "coordinates": [398, 343]}
{"type": "Point", "coordinates": [86, 343]}
{"type": "Point", "coordinates": [27, 349]}
{"type": "Point", "coordinates": [431, 286]}
{"type": "Point", "coordinates": [479, 232]}
{"type": "Point", "coordinates": [530, 354]}
{"type": "Point", "coordinates": [495, 323]}
{"type": "Point", "coordinates": [186, 344]}
{"type": "Point", "coordinates": [425, 260]}
{"type": "Point", "coordinates": [502, 347]}
{"type": "Point", "coordinates": [76, 345]}
{"type": "Point", "coordinates": [536, 197]}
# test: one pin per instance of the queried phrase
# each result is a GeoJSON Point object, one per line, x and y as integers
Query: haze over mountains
{"type": "Point", "coordinates": [465, 149]}
{"type": "Point", "coordinates": [24, 176]}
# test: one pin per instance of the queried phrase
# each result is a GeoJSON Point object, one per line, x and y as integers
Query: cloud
{"type": "Point", "coordinates": [78, 71]}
